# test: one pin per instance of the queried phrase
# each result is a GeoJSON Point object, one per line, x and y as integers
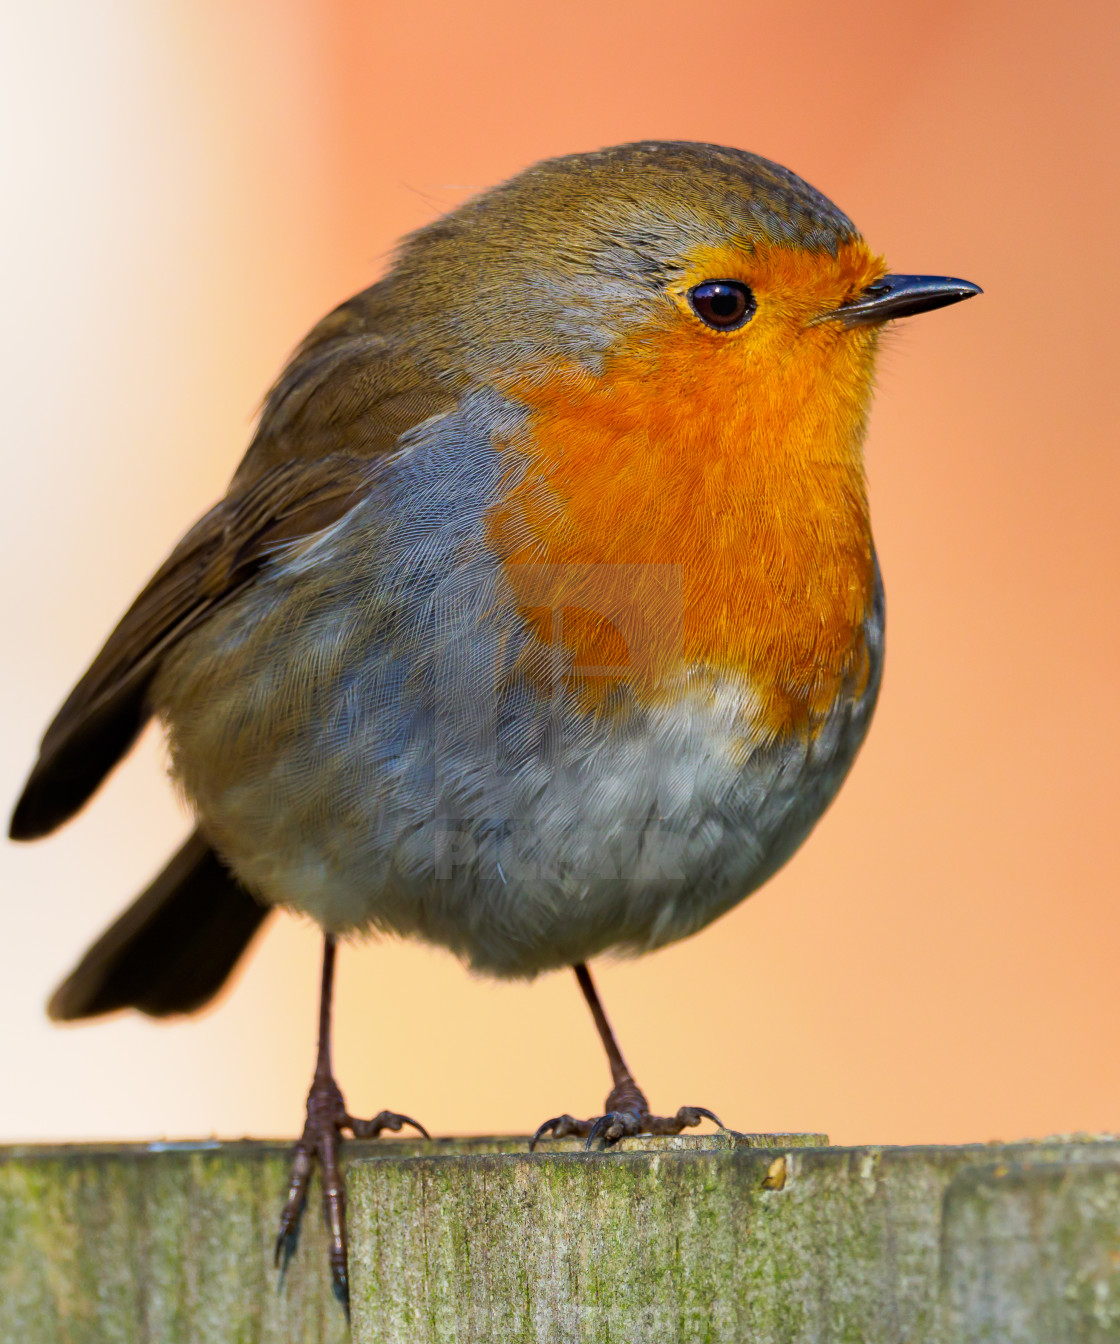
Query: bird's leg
{"type": "Point", "coordinates": [626, 1111]}
{"type": "Point", "coordinates": [327, 1117]}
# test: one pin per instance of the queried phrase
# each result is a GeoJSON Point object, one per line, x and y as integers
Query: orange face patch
{"type": "Point", "coordinates": [701, 503]}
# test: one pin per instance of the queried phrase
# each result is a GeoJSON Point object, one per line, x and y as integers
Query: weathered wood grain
{"type": "Point", "coordinates": [664, 1241]}
{"type": "Point", "coordinates": [1017, 1244]}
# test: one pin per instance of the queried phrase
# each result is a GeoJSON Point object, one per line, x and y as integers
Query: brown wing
{"type": "Point", "coordinates": [343, 399]}
{"type": "Point", "coordinates": [348, 389]}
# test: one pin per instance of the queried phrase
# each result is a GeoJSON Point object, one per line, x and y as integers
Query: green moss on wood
{"type": "Point", "coordinates": [687, 1245]}
{"type": "Point", "coordinates": [696, 1238]}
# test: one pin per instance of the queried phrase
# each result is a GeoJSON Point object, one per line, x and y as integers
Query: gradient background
{"type": "Point", "coordinates": [190, 185]}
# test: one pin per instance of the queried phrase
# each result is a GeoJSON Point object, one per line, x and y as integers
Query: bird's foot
{"type": "Point", "coordinates": [626, 1113]}
{"type": "Point", "coordinates": [321, 1139]}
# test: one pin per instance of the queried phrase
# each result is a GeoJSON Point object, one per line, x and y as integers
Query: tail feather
{"type": "Point", "coordinates": [172, 949]}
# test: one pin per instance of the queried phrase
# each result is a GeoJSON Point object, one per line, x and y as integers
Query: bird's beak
{"type": "Point", "coordinates": [900, 296]}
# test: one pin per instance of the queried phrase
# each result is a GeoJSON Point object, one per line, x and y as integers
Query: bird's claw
{"type": "Point", "coordinates": [613, 1126]}
{"type": "Point", "coordinates": [287, 1238]}
{"type": "Point", "coordinates": [320, 1141]}
{"type": "Point", "coordinates": [561, 1127]}
{"type": "Point", "coordinates": [623, 1123]}
{"type": "Point", "coordinates": [370, 1129]}
{"type": "Point", "coordinates": [687, 1117]}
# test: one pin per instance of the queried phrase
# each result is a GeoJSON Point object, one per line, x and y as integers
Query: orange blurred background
{"type": "Point", "coordinates": [190, 185]}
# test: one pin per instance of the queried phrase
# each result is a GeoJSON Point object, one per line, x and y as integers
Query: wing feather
{"type": "Point", "coordinates": [344, 399]}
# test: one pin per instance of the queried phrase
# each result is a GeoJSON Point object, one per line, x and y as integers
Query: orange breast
{"type": "Point", "coordinates": [701, 504]}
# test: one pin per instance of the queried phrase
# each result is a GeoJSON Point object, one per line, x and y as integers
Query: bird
{"type": "Point", "coordinates": [541, 619]}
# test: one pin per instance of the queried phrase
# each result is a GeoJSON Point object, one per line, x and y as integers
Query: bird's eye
{"type": "Point", "coordinates": [723, 304]}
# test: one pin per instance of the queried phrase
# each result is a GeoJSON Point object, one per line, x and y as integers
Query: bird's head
{"type": "Point", "coordinates": [709, 270]}
{"type": "Point", "coordinates": [690, 332]}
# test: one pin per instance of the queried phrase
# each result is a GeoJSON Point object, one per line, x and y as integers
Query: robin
{"type": "Point", "coordinates": [541, 618]}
